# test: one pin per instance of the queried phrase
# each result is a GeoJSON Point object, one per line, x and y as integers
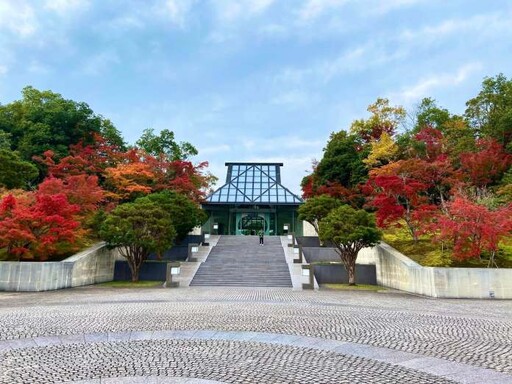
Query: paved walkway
{"type": "Point", "coordinates": [267, 335]}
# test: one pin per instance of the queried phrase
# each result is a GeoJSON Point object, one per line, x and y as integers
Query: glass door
{"type": "Point", "coordinates": [251, 223]}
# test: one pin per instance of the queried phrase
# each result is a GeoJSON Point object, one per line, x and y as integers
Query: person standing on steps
{"type": "Point", "coordinates": [260, 234]}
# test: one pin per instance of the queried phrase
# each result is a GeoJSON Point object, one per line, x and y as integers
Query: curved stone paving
{"type": "Point", "coordinates": [221, 360]}
{"type": "Point", "coordinates": [251, 335]}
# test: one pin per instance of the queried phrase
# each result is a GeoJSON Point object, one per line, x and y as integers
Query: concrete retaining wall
{"type": "Point", "coordinates": [395, 270]}
{"type": "Point", "coordinates": [318, 254]}
{"type": "Point", "coordinates": [149, 271]}
{"type": "Point", "coordinates": [91, 266]}
{"type": "Point", "coordinates": [336, 274]}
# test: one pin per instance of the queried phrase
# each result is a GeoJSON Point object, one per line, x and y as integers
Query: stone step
{"type": "Point", "coordinates": [242, 261]}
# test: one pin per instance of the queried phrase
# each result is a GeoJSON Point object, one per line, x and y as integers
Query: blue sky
{"type": "Point", "coordinates": [252, 80]}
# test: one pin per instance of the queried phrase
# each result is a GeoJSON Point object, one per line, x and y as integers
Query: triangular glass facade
{"type": "Point", "coordinates": [253, 183]}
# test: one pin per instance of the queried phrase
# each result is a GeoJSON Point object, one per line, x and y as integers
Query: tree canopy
{"type": "Point", "coordinates": [15, 172]}
{"type": "Point", "coordinates": [413, 172]}
{"type": "Point", "coordinates": [165, 144]}
{"type": "Point", "coordinates": [138, 229]}
{"type": "Point", "coordinates": [44, 120]}
{"type": "Point", "coordinates": [350, 230]}
{"type": "Point", "coordinates": [316, 208]}
{"type": "Point", "coordinates": [58, 154]}
{"type": "Point", "coordinates": [185, 213]}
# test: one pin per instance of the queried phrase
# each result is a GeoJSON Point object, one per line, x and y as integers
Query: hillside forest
{"type": "Point", "coordinates": [65, 169]}
{"type": "Point", "coordinates": [440, 184]}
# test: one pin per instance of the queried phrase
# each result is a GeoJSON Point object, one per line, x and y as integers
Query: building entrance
{"type": "Point", "coordinates": [251, 223]}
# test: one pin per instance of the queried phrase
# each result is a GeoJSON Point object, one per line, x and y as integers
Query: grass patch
{"type": "Point", "coordinates": [129, 284]}
{"type": "Point", "coordinates": [346, 287]}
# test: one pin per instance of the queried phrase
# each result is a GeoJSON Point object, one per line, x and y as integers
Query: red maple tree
{"type": "Point", "coordinates": [397, 193]}
{"type": "Point", "coordinates": [473, 228]}
{"type": "Point", "coordinates": [487, 165]}
{"type": "Point", "coordinates": [38, 225]}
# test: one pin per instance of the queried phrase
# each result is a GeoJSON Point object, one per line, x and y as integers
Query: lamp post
{"type": "Point", "coordinates": [291, 239]}
{"type": "Point", "coordinates": [173, 269]}
{"type": "Point", "coordinates": [193, 249]}
{"type": "Point", "coordinates": [297, 252]}
{"type": "Point", "coordinates": [307, 271]}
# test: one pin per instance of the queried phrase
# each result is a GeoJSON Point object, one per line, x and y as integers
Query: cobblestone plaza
{"type": "Point", "coordinates": [248, 335]}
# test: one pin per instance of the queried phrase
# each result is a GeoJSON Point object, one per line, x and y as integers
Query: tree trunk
{"type": "Point", "coordinates": [135, 276]}
{"type": "Point", "coordinates": [134, 268]}
{"type": "Point", "coordinates": [351, 271]}
{"type": "Point", "coordinates": [408, 221]}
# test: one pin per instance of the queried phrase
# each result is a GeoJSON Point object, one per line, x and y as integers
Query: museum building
{"type": "Point", "coordinates": [252, 199]}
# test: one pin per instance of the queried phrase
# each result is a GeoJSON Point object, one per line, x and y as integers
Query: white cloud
{"type": "Point", "coordinates": [273, 31]}
{"type": "Point", "coordinates": [18, 17]}
{"type": "Point", "coordinates": [279, 143]}
{"type": "Point", "coordinates": [389, 5]}
{"type": "Point", "coordinates": [259, 6]}
{"type": "Point", "coordinates": [237, 10]}
{"type": "Point", "coordinates": [125, 22]}
{"type": "Point", "coordinates": [313, 9]}
{"type": "Point", "coordinates": [177, 11]}
{"type": "Point", "coordinates": [293, 98]}
{"type": "Point", "coordinates": [221, 148]}
{"type": "Point", "coordinates": [38, 68]}
{"type": "Point", "coordinates": [493, 24]}
{"type": "Point", "coordinates": [65, 7]}
{"type": "Point", "coordinates": [100, 63]}
{"type": "Point", "coordinates": [425, 86]}
{"type": "Point", "coordinates": [356, 59]}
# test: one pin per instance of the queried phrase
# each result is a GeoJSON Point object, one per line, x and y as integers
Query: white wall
{"type": "Point", "coordinates": [91, 266]}
{"type": "Point", "coordinates": [308, 229]}
{"type": "Point", "coordinates": [397, 271]}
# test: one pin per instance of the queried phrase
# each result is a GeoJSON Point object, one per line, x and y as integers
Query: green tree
{"type": "Point", "coordinates": [490, 112]}
{"type": "Point", "coordinates": [342, 161]}
{"type": "Point", "coordinates": [15, 172]}
{"type": "Point", "coordinates": [111, 135]}
{"type": "Point", "coordinates": [350, 230]}
{"type": "Point", "coordinates": [316, 208]}
{"type": "Point", "coordinates": [165, 144]}
{"type": "Point", "coordinates": [138, 229]}
{"type": "Point", "coordinates": [44, 120]}
{"type": "Point", "coordinates": [429, 114]}
{"type": "Point", "coordinates": [185, 214]}
{"type": "Point", "coordinates": [5, 140]}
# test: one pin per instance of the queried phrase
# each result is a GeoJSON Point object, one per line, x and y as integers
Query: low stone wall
{"type": "Point", "coordinates": [149, 271]}
{"type": "Point", "coordinates": [336, 274]}
{"type": "Point", "coordinates": [319, 254]}
{"type": "Point", "coordinates": [91, 266]}
{"type": "Point", "coordinates": [397, 271]}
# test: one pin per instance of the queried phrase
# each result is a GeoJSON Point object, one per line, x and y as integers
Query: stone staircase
{"type": "Point", "coordinates": [241, 261]}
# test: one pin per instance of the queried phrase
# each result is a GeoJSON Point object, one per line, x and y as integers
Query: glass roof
{"type": "Point", "coordinates": [253, 183]}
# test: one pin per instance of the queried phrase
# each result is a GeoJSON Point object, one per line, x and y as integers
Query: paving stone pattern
{"type": "Point", "coordinates": [86, 334]}
{"type": "Point", "coordinates": [225, 361]}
